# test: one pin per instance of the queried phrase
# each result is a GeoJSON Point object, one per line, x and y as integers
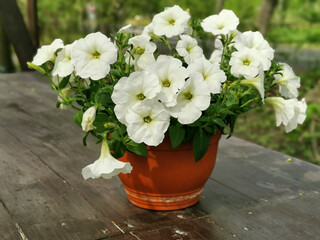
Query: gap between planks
{"type": "Point", "coordinates": [20, 231]}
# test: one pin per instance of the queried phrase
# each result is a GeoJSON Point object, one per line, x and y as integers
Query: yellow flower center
{"type": "Point", "coordinates": [188, 95]}
{"type": "Point", "coordinates": [246, 62]}
{"type": "Point", "coordinates": [166, 83]}
{"type": "Point", "coordinates": [96, 54]}
{"type": "Point", "coordinates": [147, 119]}
{"type": "Point", "coordinates": [140, 96]}
{"type": "Point", "coordinates": [139, 50]}
{"type": "Point", "coordinates": [172, 21]}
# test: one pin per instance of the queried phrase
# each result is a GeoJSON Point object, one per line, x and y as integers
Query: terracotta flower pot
{"type": "Point", "coordinates": [168, 178]}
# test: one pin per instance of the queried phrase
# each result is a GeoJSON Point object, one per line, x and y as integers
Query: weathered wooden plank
{"type": "Point", "coordinates": [8, 229]}
{"type": "Point", "coordinates": [43, 205]}
{"type": "Point", "coordinates": [262, 174]}
{"type": "Point", "coordinates": [198, 228]}
{"type": "Point", "coordinates": [295, 219]}
{"type": "Point", "coordinates": [17, 32]}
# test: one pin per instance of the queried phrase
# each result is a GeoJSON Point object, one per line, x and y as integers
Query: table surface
{"type": "Point", "coordinates": [253, 193]}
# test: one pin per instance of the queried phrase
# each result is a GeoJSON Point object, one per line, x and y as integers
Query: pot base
{"type": "Point", "coordinates": [163, 202]}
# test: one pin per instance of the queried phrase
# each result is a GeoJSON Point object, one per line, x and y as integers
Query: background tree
{"type": "Point", "coordinates": [264, 17]}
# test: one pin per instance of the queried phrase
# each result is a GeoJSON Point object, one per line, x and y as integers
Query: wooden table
{"type": "Point", "coordinates": [253, 193]}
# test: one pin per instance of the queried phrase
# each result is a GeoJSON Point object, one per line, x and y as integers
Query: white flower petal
{"type": "Point", "coordinates": [213, 76]}
{"type": "Point", "coordinates": [172, 77]}
{"type": "Point", "coordinates": [147, 122]}
{"type": "Point", "coordinates": [288, 82]}
{"type": "Point", "coordinates": [92, 56]}
{"type": "Point", "coordinates": [46, 52]}
{"type": "Point", "coordinates": [106, 166]}
{"type": "Point", "coordinates": [171, 22]}
{"type": "Point", "coordinates": [192, 100]}
{"type": "Point", "coordinates": [188, 48]}
{"type": "Point", "coordinates": [129, 91]}
{"type": "Point", "coordinates": [245, 63]}
{"type": "Point", "coordinates": [88, 119]}
{"type": "Point", "coordinates": [223, 23]}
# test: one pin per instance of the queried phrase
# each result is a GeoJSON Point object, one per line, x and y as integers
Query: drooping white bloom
{"type": "Point", "coordinates": [284, 109]}
{"type": "Point", "coordinates": [213, 76]}
{"type": "Point", "coordinates": [257, 82]}
{"type": "Point", "coordinates": [173, 21]}
{"type": "Point", "coordinates": [147, 122]}
{"type": "Point", "coordinates": [193, 98]}
{"type": "Point", "coordinates": [88, 118]}
{"type": "Point", "coordinates": [142, 51]}
{"type": "Point", "coordinates": [288, 82]}
{"type": "Point", "coordinates": [255, 40]}
{"type": "Point", "coordinates": [299, 116]}
{"type": "Point", "coordinates": [245, 63]}
{"type": "Point", "coordinates": [188, 48]}
{"type": "Point", "coordinates": [290, 112]}
{"type": "Point", "coordinates": [135, 88]}
{"type": "Point", "coordinates": [46, 52]}
{"type": "Point", "coordinates": [106, 166]}
{"type": "Point", "coordinates": [172, 77]}
{"type": "Point", "coordinates": [63, 66]}
{"type": "Point", "coordinates": [92, 56]}
{"type": "Point", "coordinates": [125, 29]}
{"type": "Point", "coordinates": [223, 23]}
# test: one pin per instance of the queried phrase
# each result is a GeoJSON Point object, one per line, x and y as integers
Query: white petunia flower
{"type": "Point", "coordinates": [245, 63]}
{"type": "Point", "coordinates": [125, 29]}
{"type": "Point", "coordinates": [284, 109]}
{"type": "Point", "coordinates": [147, 122]}
{"type": "Point", "coordinates": [288, 82]}
{"type": "Point", "coordinates": [92, 56]}
{"type": "Point", "coordinates": [63, 66]}
{"type": "Point", "coordinates": [192, 100]}
{"type": "Point", "coordinates": [299, 116]}
{"type": "Point", "coordinates": [213, 76]}
{"type": "Point", "coordinates": [172, 77]}
{"type": "Point", "coordinates": [88, 118]}
{"type": "Point", "coordinates": [188, 48]}
{"type": "Point", "coordinates": [173, 21]}
{"type": "Point", "coordinates": [148, 30]}
{"type": "Point", "coordinates": [133, 89]}
{"type": "Point", "coordinates": [106, 166]}
{"type": "Point", "coordinates": [46, 52]}
{"type": "Point", "coordinates": [142, 52]}
{"type": "Point", "coordinates": [257, 82]}
{"type": "Point", "coordinates": [223, 23]}
{"type": "Point", "coordinates": [255, 40]}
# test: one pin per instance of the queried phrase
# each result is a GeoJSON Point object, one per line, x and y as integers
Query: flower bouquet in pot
{"type": "Point", "coordinates": [148, 108]}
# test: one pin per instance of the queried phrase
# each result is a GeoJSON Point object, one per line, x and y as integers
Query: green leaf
{"type": "Point", "coordinates": [78, 118]}
{"type": "Point", "coordinates": [201, 143]}
{"type": "Point", "coordinates": [137, 148]}
{"type": "Point", "coordinates": [117, 148]}
{"type": "Point", "coordinates": [176, 134]}
{"type": "Point", "coordinates": [64, 82]}
{"type": "Point", "coordinates": [115, 135]}
{"type": "Point", "coordinates": [116, 73]}
{"type": "Point", "coordinates": [104, 98]}
{"type": "Point", "coordinates": [219, 122]}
